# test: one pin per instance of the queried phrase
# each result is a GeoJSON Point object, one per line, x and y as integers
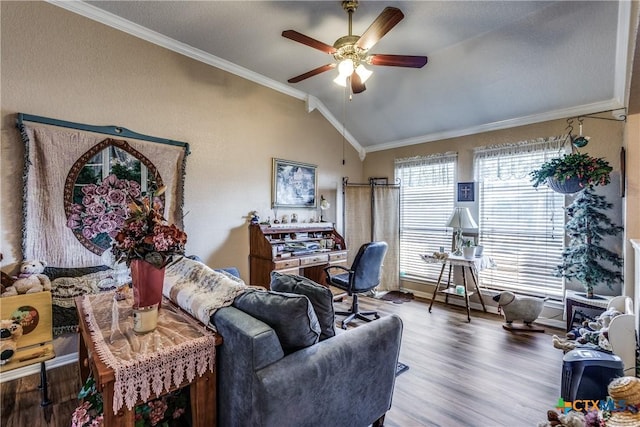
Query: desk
{"type": "Point", "coordinates": [575, 299]}
{"type": "Point", "coordinates": [471, 265]}
{"type": "Point", "coordinates": [130, 369]}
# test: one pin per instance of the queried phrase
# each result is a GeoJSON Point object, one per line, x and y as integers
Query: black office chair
{"type": "Point", "coordinates": [363, 276]}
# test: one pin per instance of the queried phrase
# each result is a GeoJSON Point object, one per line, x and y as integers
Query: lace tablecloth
{"type": "Point", "coordinates": [177, 350]}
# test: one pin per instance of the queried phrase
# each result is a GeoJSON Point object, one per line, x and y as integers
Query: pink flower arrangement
{"type": "Point", "coordinates": [146, 235]}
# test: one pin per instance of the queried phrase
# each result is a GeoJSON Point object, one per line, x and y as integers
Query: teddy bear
{"type": "Point", "coordinates": [30, 279]}
{"type": "Point", "coordinates": [597, 332]}
{"type": "Point", "coordinates": [10, 331]}
{"type": "Point", "coordinates": [570, 419]}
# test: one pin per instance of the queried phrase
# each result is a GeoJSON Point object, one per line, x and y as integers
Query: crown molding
{"type": "Point", "coordinates": [126, 26]}
{"type": "Point", "coordinates": [622, 51]}
{"type": "Point", "coordinates": [613, 104]}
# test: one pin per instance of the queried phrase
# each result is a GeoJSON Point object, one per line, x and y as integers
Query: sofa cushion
{"type": "Point", "coordinates": [320, 296]}
{"type": "Point", "coordinates": [291, 316]}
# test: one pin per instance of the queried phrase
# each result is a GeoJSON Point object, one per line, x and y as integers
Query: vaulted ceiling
{"type": "Point", "coordinates": [491, 64]}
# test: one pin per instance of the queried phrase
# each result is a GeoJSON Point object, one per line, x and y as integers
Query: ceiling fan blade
{"type": "Point", "coordinates": [301, 38]}
{"type": "Point", "coordinates": [356, 83]}
{"type": "Point", "coordinates": [312, 73]}
{"type": "Point", "coordinates": [388, 19]}
{"type": "Point", "coordinates": [398, 60]}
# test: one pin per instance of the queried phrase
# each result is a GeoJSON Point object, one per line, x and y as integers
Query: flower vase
{"type": "Point", "coordinates": [147, 281]}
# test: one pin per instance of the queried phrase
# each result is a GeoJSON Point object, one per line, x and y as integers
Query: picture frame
{"type": "Point", "coordinates": [294, 184]}
{"type": "Point", "coordinates": [466, 192]}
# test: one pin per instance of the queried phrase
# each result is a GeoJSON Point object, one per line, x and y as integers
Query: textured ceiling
{"type": "Point", "coordinates": [491, 64]}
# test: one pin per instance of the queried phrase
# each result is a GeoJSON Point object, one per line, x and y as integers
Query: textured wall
{"type": "Point", "coordinates": [61, 65]}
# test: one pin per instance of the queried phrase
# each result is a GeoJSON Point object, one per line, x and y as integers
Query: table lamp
{"type": "Point", "coordinates": [460, 218]}
{"type": "Point", "coordinates": [324, 205]}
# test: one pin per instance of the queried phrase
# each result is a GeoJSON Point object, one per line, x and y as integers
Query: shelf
{"type": "Point", "coordinates": [452, 291]}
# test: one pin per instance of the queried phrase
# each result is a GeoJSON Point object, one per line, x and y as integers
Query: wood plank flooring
{"type": "Point", "coordinates": [460, 374]}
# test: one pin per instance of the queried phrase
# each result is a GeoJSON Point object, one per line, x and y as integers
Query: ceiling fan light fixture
{"type": "Point", "coordinates": [363, 73]}
{"type": "Point", "coordinates": [345, 69]}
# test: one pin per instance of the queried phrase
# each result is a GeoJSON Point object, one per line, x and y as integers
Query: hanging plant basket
{"type": "Point", "coordinates": [567, 186]}
{"type": "Point", "coordinates": [565, 174]}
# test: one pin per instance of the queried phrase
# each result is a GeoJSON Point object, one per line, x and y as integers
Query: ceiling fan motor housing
{"type": "Point", "coordinates": [346, 49]}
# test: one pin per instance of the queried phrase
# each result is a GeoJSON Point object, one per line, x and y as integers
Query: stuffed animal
{"type": "Point", "coordinates": [570, 419]}
{"type": "Point", "coordinates": [518, 307]}
{"type": "Point", "coordinates": [10, 331]}
{"type": "Point", "coordinates": [30, 279]}
{"type": "Point", "coordinates": [564, 344]}
{"type": "Point", "coordinates": [597, 332]}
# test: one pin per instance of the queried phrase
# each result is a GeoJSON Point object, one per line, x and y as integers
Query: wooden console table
{"type": "Point", "coordinates": [471, 265]}
{"type": "Point", "coordinates": [92, 357]}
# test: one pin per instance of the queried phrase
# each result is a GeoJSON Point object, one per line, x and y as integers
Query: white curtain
{"type": "Point", "coordinates": [372, 214]}
{"type": "Point", "coordinates": [517, 160]}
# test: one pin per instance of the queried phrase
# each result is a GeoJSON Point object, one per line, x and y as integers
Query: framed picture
{"type": "Point", "coordinates": [465, 192]}
{"type": "Point", "coordinates": [294, 184]}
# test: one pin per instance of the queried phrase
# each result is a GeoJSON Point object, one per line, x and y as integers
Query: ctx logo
{"type": "Point", "coordinates": [588, 405]}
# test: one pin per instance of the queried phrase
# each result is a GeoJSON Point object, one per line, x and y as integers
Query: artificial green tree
{"type": "Point", "coordinates": [585, 259]}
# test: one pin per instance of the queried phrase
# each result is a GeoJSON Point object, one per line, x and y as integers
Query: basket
{"type": "Point", "coordinates": [568, 186]}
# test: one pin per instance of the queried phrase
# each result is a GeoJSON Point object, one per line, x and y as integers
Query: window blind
{"type": "Point", "coordinates": [521, 228]}
{"type": "Point", "coordinates": [426, 201]}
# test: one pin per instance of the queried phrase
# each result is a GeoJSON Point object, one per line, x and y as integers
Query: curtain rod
{"type": "Point", "coordinates": [107, 130]}
{"type": "Point", "coordinates": [371, 183]}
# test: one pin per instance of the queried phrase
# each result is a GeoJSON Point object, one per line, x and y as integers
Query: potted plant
{"type": "Point", "coordinates": [147, 243]}
{"type": "Point", "coordinates": [468, 249]}
{"type": "Point", "coordinates": [572, 173]}
{"type": "Point", "coordinates": [585, 259]}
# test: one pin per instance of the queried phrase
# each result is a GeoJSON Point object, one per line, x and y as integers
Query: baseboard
{"type": "Point", "coordinates": [553, 309]}
{"type": "Point", "coordinates": [56, 362]}
{"type": "Point", "coordinates": [459, 302]}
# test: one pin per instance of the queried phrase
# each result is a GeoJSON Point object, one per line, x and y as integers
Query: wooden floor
{"type": "Point", "coordinates": [460, 374]}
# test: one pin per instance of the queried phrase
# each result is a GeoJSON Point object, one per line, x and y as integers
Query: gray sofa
{"type": "Point", "coordinates": [344, 380]}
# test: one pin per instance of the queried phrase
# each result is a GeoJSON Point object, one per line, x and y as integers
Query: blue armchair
{"type": "Point", "coordinates": [345, 380]}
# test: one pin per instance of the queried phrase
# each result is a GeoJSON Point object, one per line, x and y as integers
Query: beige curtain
{"type": "Point", "coordinates": [372, 214]}
{"type": "Point", "coordinates": [386, 222]}
{"type": "Point", "coordinates": [357, 221]}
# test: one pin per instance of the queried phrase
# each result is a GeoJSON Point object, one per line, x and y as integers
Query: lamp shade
{"type": "Point", "coordinates": [461, 218]}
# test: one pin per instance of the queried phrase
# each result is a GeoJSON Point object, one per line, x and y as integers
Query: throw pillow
{"type": "Point", "coordinates": [291, 316]}
{"type": "Point", "coordinates": [320, 296]}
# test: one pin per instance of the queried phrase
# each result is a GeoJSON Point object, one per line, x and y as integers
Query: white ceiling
{"type": "Point", "coordinates": [491, 64]}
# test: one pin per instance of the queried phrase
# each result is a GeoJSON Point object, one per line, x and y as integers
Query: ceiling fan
{"type": "Point", "coordinates": [351, 52]}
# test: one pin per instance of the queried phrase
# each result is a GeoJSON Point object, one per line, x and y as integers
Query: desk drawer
{"type": "Point", "coordinates": [316, 259]}
{"type": "Point", "coordinates": [338, 256]}
{"type": "Point", "coordinates": [286, 263]}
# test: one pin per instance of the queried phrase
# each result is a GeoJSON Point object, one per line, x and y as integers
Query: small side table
{"type": "Point", "coordinates": [34, 313]}
{"type": "Point", "coordinates": [202, 387]}
{"type": "Point", "coordinates": [471, 265]}
{"type": "Point", "coordinates": [575, 299]}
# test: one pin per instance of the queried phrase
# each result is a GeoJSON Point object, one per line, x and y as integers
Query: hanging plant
{"type": "Point", "coordinates": [580, 170]}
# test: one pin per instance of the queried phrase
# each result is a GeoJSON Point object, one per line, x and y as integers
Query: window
{"type": "Point", "coordinates": [426, 201]}
{"type": "Point", "coordinates": [521, 227]}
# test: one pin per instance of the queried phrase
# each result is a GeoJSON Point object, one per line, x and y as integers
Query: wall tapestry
{"type": "Point", "coordinates": [78, 184]}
